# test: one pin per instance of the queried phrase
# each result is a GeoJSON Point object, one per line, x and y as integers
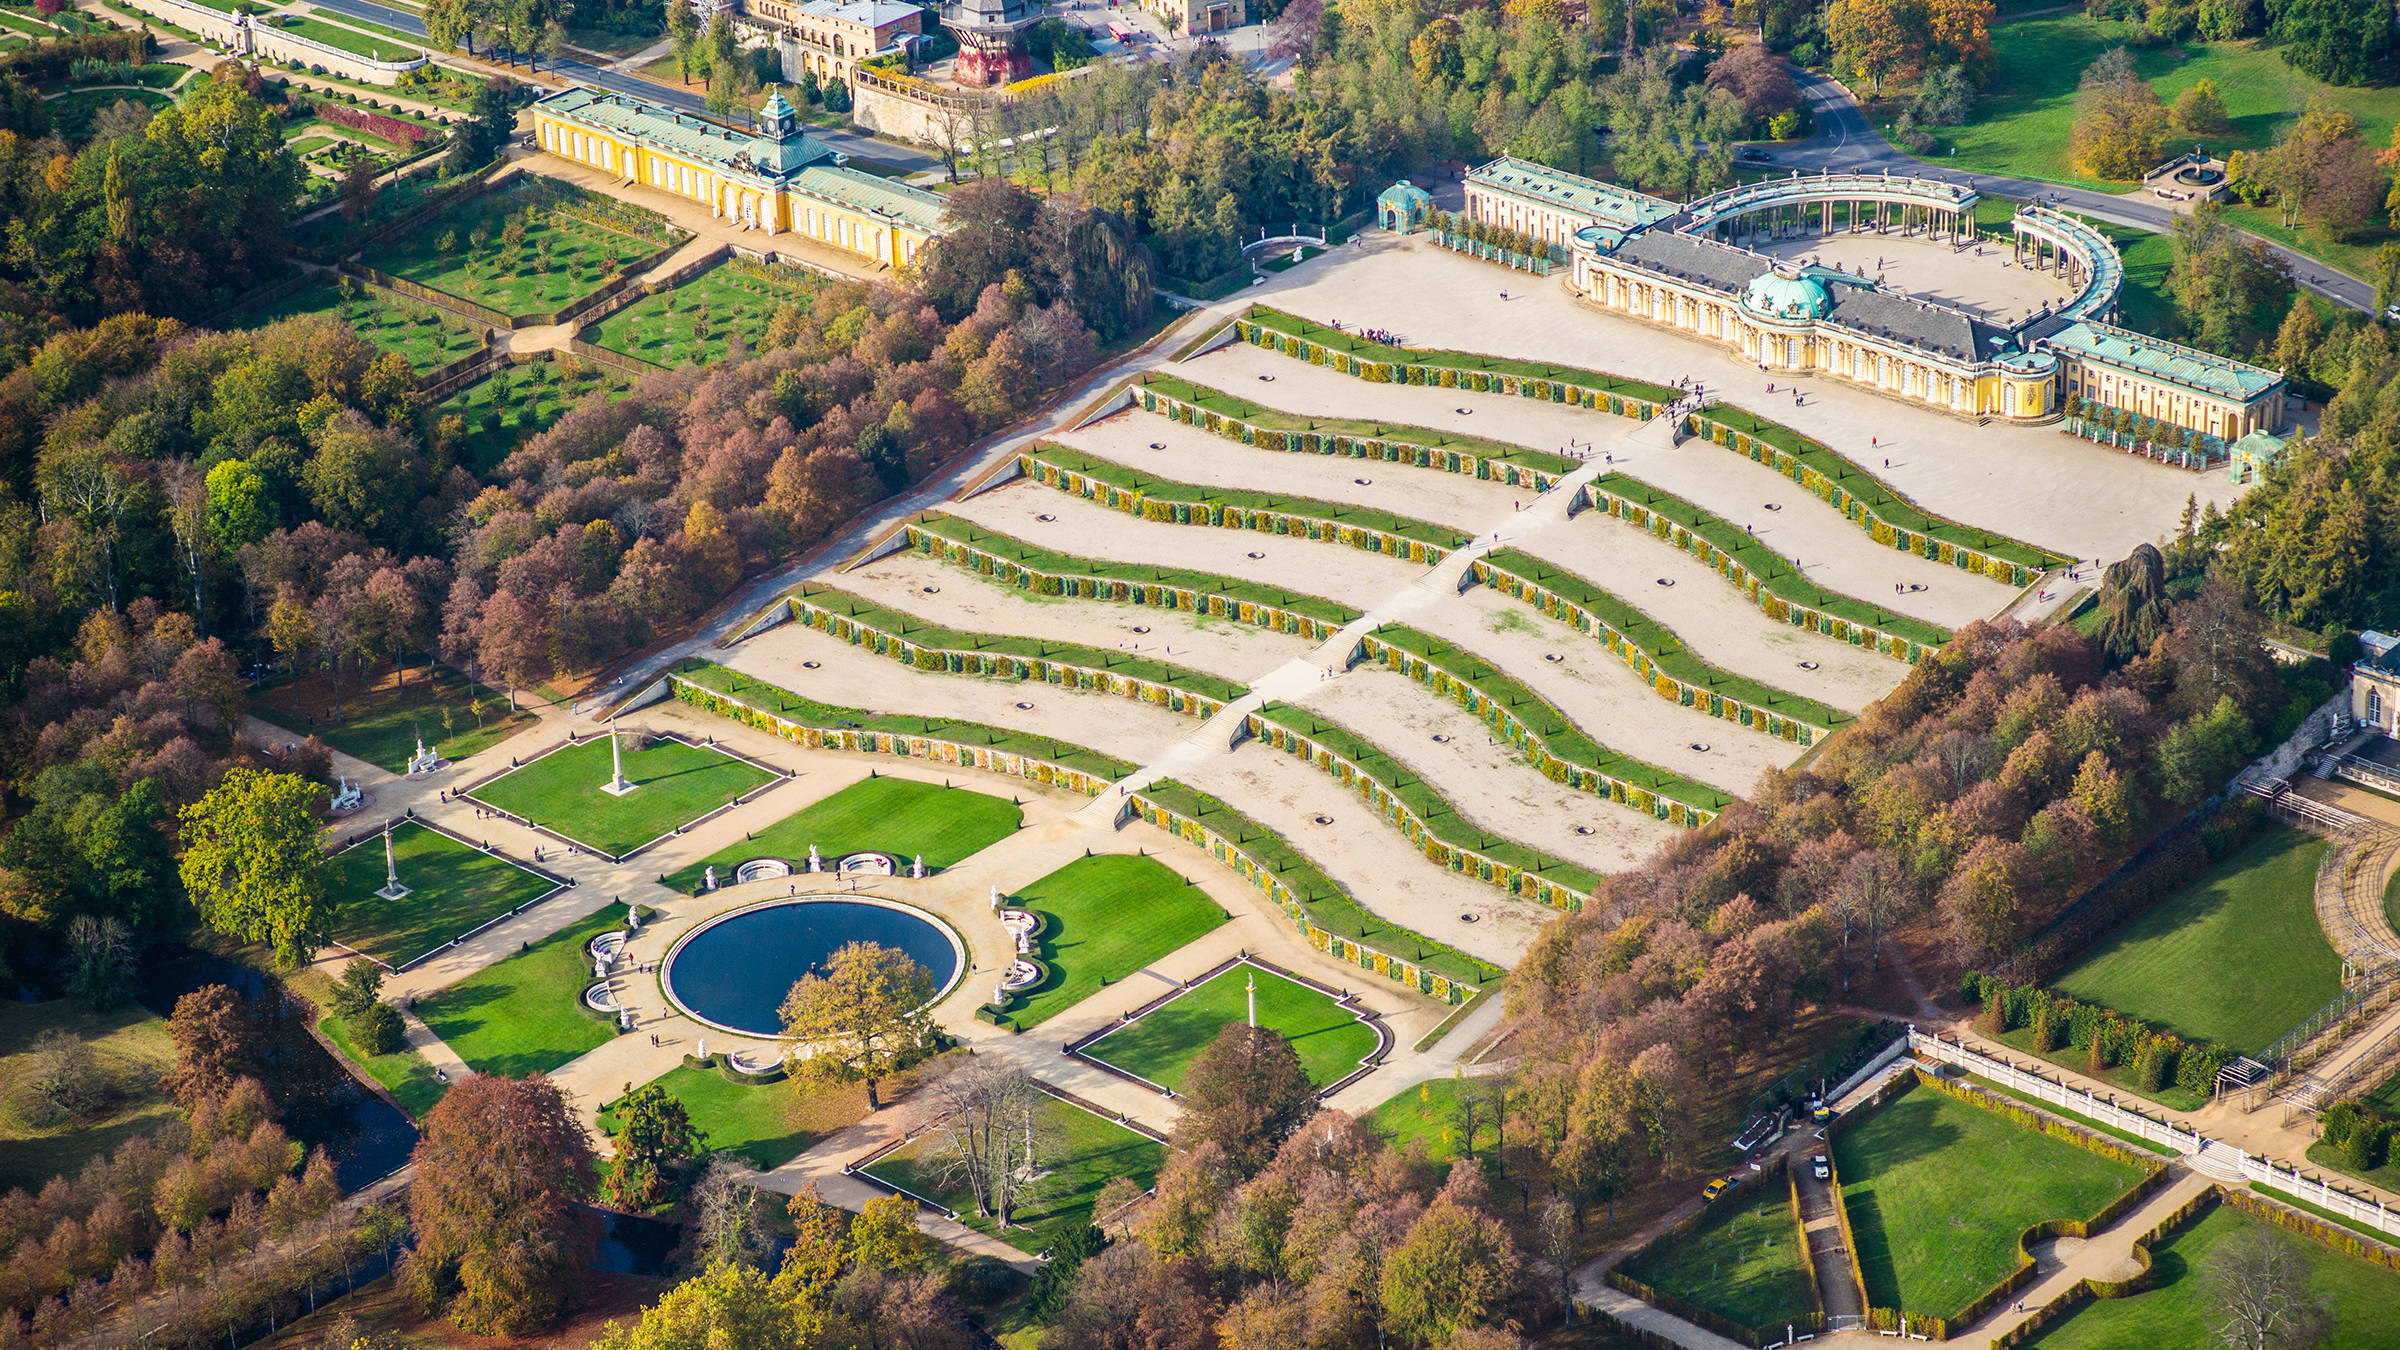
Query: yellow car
{"type": "Point", "coordinates": [1716, 1188]}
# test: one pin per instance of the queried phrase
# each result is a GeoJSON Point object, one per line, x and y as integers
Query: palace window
{"type": "Point", "coordinates": [2375, 705]}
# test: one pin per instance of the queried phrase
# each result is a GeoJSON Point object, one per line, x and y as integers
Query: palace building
{"type": "Point", "coordinates": [777, 181]}
{"type": "Point", "coordinates": [1687, 267]}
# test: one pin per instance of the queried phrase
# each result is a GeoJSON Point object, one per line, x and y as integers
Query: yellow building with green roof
{"type": "Point", "coordinates": [776, 181]}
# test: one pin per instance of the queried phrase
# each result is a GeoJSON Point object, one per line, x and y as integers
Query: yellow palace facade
{"type": "Point", "coordinates": [778, 181]}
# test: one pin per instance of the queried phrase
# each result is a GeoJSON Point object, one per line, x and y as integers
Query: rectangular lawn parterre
{"type": "Point", "coordinates": [515, 278]}
{"type": "Point", "coordinates": [906, 817]}
{"type": "Point", "coordinates": [1104, 918]}
{"type": "Point", "coordinates": [1744, 1262]}
{"type": "Point", "coordinates": [692, 322]}
{"type": "Point", "coordinates": [453, 889]}
{"type": "Point", "coordinates": [1084, 1151]}
{"type": "Point", "coordinates": [2237, 957]}
{"type": "Point", "coordinates": [1161, 1044]}
{"type": "Point", "coordinates": [1939, 1192]}
{"type": "Point", "coordinates": [517, 403]}
{"type": "Point", "coordinates": [524, 1014]}
{"type": "Point", "coordinates": [674, 784]}
{"type": "Point", "coordinates": [2175, 1314]}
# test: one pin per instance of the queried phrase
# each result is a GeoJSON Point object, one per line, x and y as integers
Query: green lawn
{"type": "Point", "coordinates": [1939, 1191]}
{"type": "Point", "coordinates": [452, 890]}
{"type": "Point", "coordinates": [428, 338]}
{"type": "Point", "coordinates": [673, 783]}
{"type": "Point", "coordinates": [2174, 1314]}
{"type": "Point", "coordinates": [303, 147]}
{"type": "Point", "coordinates": [2386, 1098]}
{"type": "Point", "coordinates": [519, 279]}
{"type": "Point", "coordinates": [519, 402]}
{"type": "Point", "coordinates": [524, 1014]}
{"type": "Point", "coordinates": [404, 1073]}
{"type": "Point", "coordinates": [2237, 957]}
{"type": "Point", "coordinates": [766, 1124]}
{"type": "Point", "coordinates": [362, 44]}
{"type": "Point", "coordinates": [1161, 1045]}
{"type": "Point", "coordinates": [73, 112]}
{"type": "Point", "coordinates": [1426, 1114]}
{"type": "Point", "coordinates": [900, 816]}
{"type": "Point", "coordinates": [383, 728]}
{"type": "Point", "coordinates": [1744, 1262]}
{"type": "Point", "coordinates": [692, 322]}
{"type": "Point", "coordinates": [1083, 1150]}
{"type": "Point", "coordinates": [1107, 916]}
{"type": "Point", "coordinates": [130, 1052]}
{"type": "Point", "coordinates": [366, 26]}
{"type": "Point", "coordinates": [2022, 122]}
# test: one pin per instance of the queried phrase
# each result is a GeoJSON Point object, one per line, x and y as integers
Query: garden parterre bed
{"type": "Point", "coordinates": [1084, 1152]}
{"type": "Point", "coordinates": [1104, 918]}
{"type": "Point", "coordinates": [674, 784]}
{"type": "Point", "coordinates": [1160, 1045]}
{"type": "Point", "coordinates": [524, 1013]}
{"type": "Point", "coordinates": [1939, 1192]}
{"type": "Point", "coordinates": [453, 889]}
{"type": "Point", "coordinates": [2238, 957]}
{"type": "Point", "coordinates": [905, 817]}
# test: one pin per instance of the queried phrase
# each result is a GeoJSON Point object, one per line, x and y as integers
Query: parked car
{"type": "Point", "coordinates": [1753, 152]}
{"type": "Point", "coordinates": [1716, 1188]}
{"type": "Point", "coordinates": [1821, 1115]}
{"type": "Point", "coordinates": [1820, 1168]}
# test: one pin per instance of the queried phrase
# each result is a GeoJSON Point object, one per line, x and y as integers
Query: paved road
{"type": "Point", "coordinates": [1846, 142]}
{"type": "Point", "coordinates": [682, 100]}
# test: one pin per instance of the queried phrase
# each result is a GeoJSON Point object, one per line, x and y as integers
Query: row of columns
{"type": "Point", "coordinates": [1861, 216]}
{"type": "Point", "coordinates": [1916, 381]}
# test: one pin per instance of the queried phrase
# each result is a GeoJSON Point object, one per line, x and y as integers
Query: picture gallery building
{"type": "Point", "coordinates": [777, 181]}
{"type": "Point", "coordinates": [1686, 267]}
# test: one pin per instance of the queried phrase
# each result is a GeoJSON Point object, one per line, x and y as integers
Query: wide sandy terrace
{"type": "Point", "coordinates": [966, 599]}
{"type": "Point", "coordinates": [1124, 727]}
{"type": "Point", "coordinates": [1979, 278]}
{"type": "Point", "coordinates": [1834, 551]}
{"type": "Point", "coordinates": [1718, 622]}
{"type": "Point", "coordinates": [2033, 483]}
{"type": "Point", "coordinates": [1492, 784]}
{"type": "Point", "coordinates": [1366, 853]}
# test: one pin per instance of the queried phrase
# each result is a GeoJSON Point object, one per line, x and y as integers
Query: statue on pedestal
{"type": "Point", "coordinates": [709, 882]}
{"type": "Point", "coordinates": [815, 863]}
{"type": "Point", "coordinates": [917, 868]}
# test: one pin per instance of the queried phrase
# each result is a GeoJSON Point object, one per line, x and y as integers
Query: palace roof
{"type": "Point", "coordinates": [864, 191]}
{"type": "Point", "coordinates": [2158, 359]}
{"type": "Point", "coordinates": [1605, 203]}
{"type": "Point", "coordinates": [737, 153]}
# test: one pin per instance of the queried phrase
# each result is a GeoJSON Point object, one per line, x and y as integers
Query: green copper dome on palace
{"type": "Point", "coordinates": [1785, 296]}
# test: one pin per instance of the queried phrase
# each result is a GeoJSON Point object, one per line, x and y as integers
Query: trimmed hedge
{"type": "Point", "coordinates": [821, 726]}
{"type": "Point", "coordinates": [1238, 419]}
{"type": "Point", "coordinates": [1413, 805]}
{"type": "Point", "coordinates": [1849, 487]}
{"type": "Point", "coordinates": [1653, 651]}
{"type": "Point", "coordinates": [1562, 751]}
{"type": "Point", "coordinates": [924, 646]}
{"type": "Point", "coordinates": [1775, 584]}
{"type": "Point", "coordinates": [1164, 500]}
{"type": "Point", "coordinates": [1039, 571]}
{"type": "Point", "coordinates": [1325, 911]}
{"type": "Point", "coordinates": [2160, 1057]}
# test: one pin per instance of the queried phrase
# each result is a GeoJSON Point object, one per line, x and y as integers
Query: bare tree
{"type": "Point", "coordinates": [2256, 1284]}
{"type": "Point", "coordinates": [727, 1223]}
{"type": "Point", "coordinates": [991, 1134]}
{"type": "Point", "coordinates": [1875, 890]}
